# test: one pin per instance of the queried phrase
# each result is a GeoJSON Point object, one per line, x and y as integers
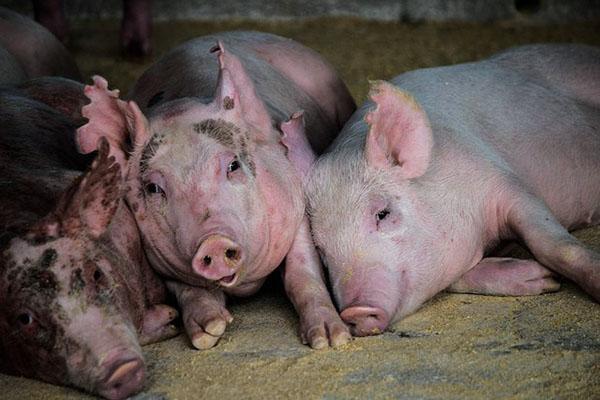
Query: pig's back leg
{"type": "Point", "coordinates": [502, 276]}
{"type": "Point", "coordinates": [529, 219]}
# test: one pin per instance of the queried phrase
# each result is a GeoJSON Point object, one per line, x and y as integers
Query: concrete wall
{"type": "Point", "coordinates": [529, 11]}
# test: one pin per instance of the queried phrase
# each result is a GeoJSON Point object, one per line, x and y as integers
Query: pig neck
{"type": "Point", "coordinates": [475, 225]}
{"type": "Point", "coordinates": [280, 188]}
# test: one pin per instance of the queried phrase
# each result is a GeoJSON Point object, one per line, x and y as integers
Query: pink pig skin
{"type": "Point", "coordinates": [217, 140]}
{"type": "Point", "coordinates": [77, 296]}
{"type": "Point", "coordinates": [442, 165]}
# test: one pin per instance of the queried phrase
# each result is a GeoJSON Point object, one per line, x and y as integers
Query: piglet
{"type": "Point", "coordinates": [442, 165]}
{"type": "Point", "coordinates": [77, 297]}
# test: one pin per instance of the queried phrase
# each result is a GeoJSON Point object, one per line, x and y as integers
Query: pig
{"type": "Point", "coordinates": [77, 296]}
{"type": "Point", "coordinates": [36, 50]}
{"type": "Point", "coordinates": [10, 70]}
{"type": "Point", "coordinates": [442, 165]}
{"type": "Point", "coordinates": [217, 139]}
{"type": "Point", "coordinates": [136, 26]}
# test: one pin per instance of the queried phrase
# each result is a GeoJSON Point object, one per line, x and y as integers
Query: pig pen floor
{"type": "Point", "coordinates": [456, 346]}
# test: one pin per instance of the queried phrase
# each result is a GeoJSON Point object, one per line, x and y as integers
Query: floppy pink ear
{"type": "Point", "coordinates": [399, 133]}
{"type": "Point", "coordinates": [299, 151]}
{"type": "Point", "coordinates": [89, 204]}
{"type": "Point", "coordinates": [235, 91]}
{"type": "Point", "coordinates": [122, 123]}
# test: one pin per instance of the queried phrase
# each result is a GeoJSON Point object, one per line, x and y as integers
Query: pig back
{"type": "Point", "coordinates": [38, 160]}
{"type": "Point", "coordinates": [190, 70]}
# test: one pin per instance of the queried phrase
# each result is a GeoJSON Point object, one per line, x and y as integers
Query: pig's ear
{"type": "Point", "coordinates": [91, 202]}
{"type": "Point", "coordinates": [122, 123]}
{"type": "Point", "coordinates": [293, 138]}
{"type": "Point", "coordinates": [399, 132]}
{"type": "Point", "coordinates": [236, 92]}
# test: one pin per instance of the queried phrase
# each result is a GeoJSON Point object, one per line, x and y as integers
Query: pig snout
{"type": "Point", "coordinates": [125, 375]}
{"type": "Point", "coordinates": [365, 320]}
{"type": "Point", "coordinates": [218, 258]}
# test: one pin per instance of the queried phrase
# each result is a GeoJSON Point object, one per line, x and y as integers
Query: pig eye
{"type": "Point", "coordinates": [233, 166]}
{"type": "Point", "coordinates": [381, 215]}
{"type": "Point", "coordinates": [153, 188]}
{"type": "Point", "coordinates": [97, 275]}
{"type": "Point", "coordinates": [25, 319]}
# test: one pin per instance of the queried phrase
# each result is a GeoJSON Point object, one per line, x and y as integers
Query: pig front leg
{"type": "Point", "coordinates": [157, 324]}
{"type": "Point", "coordinates": [552, 245]}
{"type": "Point", "coordinates": [501, 276]}
{"type": "Point", "coordinates": [204, 314]}
{"type": "Point", "coordinates": [320, 323]}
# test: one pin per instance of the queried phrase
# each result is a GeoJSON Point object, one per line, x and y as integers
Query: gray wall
{"type": "Point", "coordinates": [528, 11]}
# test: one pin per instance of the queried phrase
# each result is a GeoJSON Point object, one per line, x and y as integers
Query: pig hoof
{"type": "Point", "coordinates": [204, 341]}
{"type": "Point", "coordinates": [206, 335]}
{"type": "Point", "coordinates": [325, 332]}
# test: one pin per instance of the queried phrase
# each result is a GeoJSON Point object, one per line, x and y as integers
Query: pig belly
{"type": "Point", "coordinates": [563, 168]}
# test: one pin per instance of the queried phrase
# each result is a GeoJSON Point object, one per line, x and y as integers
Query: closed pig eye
{"type": "Point", "coordinates": [382, 214]}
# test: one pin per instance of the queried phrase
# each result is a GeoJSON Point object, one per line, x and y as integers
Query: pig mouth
{"type": "Point", "coordinates": [229, 280]}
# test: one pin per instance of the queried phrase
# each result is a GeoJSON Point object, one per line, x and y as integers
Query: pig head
{"type": "Point", "coordinates": [212, 186]}
{"type": "Point", "coordinates": [67, 313]}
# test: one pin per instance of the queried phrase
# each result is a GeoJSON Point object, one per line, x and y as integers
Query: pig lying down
{"type": "Point", "coordinates": [442, 165]}
{"type": "Point", "coordinates": [77, 296]}
{"type": "Point", "coordinates": [215, 146]}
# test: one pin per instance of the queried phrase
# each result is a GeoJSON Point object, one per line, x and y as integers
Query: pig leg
{"type": "Point", "coordinates": [51, 15]}
{"type": "Point", "coordinates": [204, 314]}
{"type": "Point", "coordinates": [552, 245]}
{"type": "Point", "coordinates": [320, 324]}
{"type": "Point", "coordinates": [157, 324]}
{"type": "Point", "coordinates": [136, 28]}
{"type": "Point", "coordinates": [506, 277]}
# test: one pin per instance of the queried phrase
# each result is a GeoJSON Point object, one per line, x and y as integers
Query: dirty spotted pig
{"type": "Point", "coordinates": [219, 151]}
{"type": "Point", "coordinates": [441, 165]}
{"type": "Point", "coordinates": [77, 297]}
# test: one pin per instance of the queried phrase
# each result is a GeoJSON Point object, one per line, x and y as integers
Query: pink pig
{"type": "Point", "coordinates": [216, 171]}
{"type": "Point", "coordinates": [442, 165]}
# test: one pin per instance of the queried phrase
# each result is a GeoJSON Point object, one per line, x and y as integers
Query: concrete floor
{"type": "Point", "coordinates": [456, 347]}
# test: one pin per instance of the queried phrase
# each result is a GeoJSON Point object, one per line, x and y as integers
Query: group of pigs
{"type": "Point", "coordinates": [206, 179]}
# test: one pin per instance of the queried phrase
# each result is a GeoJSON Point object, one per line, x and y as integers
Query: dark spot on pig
{"type": "Point", "coordinates": [150, 150]}
{"type": "Point", "coordinates": [48, 258]}
{"type": "Point", "coordinates": [205, 217]}
{"type": "Point", "coordinates": [77, 282]}
{"type": "Point", "coordinates": [218, 129]}
{"type": "Point", "coordinates": [135, 207]}
{"type": "Point", "coordinates": [228, 103]}
{"type": "Point", "coordinates": [155, 99]}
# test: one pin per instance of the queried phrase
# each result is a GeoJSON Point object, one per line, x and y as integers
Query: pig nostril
{"type": "Point", "coordinates": [207, 260]}
{"type": "Point", "coordinates": [231, 254]}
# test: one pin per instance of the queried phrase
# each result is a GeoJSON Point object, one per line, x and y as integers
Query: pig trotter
{"type": "Point", "coordinates": [553, 246]}
{"type": "Point", "coordinates": [204, 314]}
{"type": "Point", "coordinates": [506, 277]}
{"type": "Point", "coordinates": [158, 325]}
